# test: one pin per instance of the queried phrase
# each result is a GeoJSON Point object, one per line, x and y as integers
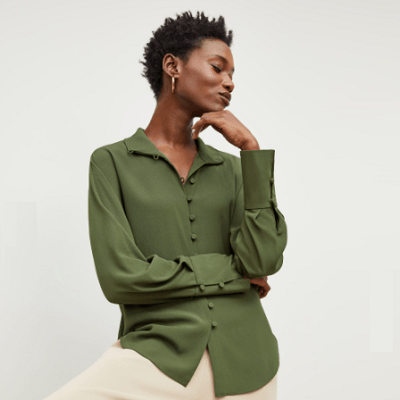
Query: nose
{"type": "Point", "coordinates": [229, 85]}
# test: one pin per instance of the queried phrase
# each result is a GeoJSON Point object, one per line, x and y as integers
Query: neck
{"type": "Point", "coordinates": [170, 125]}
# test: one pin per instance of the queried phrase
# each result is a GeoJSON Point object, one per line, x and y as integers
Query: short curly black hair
{"type": "Point", "coordinates": [179, 37]}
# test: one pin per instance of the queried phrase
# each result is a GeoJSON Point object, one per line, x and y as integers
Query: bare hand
{"type": "Point", "coordinates": [227, 124]}
{"type": "Point", "coordinates": [264, 288]}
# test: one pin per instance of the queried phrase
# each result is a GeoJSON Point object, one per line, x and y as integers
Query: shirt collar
{"type": "Point", "coordinates": [140, 143]}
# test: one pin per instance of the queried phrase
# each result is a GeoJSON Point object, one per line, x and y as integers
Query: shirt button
{"type": "Point", "coordinates": [155, 156]}
{"type": "Point", "coordinates": [189, 198]}
{"type": "Point", "coordinates": [221, 284]}
{"type": "Point", "coordinates": [191, 216]}
{"type": "Point", "coordinates": [211, 305]}
{"type": "Point", "coordinates": [271, 180]}
{"type": "Point", "coordinates": [194, 236]}
{"type": "Point", "coordinates": [202, 287]}
{"type": "Point", "coordinates": [214, 323]}
{"type": "Point", "coordinates": [192, 180]}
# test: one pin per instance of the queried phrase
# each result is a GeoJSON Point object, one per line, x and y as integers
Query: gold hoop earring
{"type": "Point", "coordinates": [173, 84]}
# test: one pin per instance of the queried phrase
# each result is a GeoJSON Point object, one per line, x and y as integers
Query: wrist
{"type": "Point", "coordinates": [250, 146]}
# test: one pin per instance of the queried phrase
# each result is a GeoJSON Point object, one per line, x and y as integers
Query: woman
{"type": "Point", "coordinates": [184, 236]}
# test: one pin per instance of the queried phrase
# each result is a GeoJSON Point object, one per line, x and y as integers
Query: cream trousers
{"type": "Point", "coordinates": [124, 374]}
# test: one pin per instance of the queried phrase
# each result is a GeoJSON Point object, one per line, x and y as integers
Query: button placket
{"type": "Point", "coordinates": [210, 306]}
{"type": "Point", "coordinates": [191, 216]}
{"type": "Point", "coordinates": [193, 236]}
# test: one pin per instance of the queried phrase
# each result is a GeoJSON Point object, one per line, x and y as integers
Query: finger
{"type": "Point", "coordinates": [204, 126]}
{"type": "Point", "coordinates": [199, 127]}
{"type": "Point", "coordinates": [263, 290]}
{"type": "Point", "coordinates": [195, 129]}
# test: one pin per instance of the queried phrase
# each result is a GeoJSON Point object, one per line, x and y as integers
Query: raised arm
{"type": "Point", "coordinates": [258, 231]}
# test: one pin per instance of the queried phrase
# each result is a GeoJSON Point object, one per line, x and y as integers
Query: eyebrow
{"type": "Point", "coordinates": [217, 55]}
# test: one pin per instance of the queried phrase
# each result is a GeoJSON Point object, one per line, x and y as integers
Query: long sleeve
{"type": "Point", "coordinates": [258, 231]}
{"type": "Point", "coordinates": [125, 275]}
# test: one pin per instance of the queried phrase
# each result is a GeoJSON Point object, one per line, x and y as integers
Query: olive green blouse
{"type": "Point", "coordinates": [173, 256]}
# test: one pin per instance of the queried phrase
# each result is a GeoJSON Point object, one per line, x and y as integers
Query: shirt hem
{"type": "Point", "coordinates": [228, 393]}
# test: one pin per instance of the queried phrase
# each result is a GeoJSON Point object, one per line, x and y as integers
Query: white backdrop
{"type": "Point", "coordinates": [318, 81]}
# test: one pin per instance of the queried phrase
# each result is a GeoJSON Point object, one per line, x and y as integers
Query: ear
{"type": "Point", "coordinates": [170, 65]}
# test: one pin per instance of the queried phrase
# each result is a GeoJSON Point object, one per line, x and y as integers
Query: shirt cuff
{"type": "Point", "coordinates": [241, 285]}
{"type": "Point", "coordinates": [258, 178]}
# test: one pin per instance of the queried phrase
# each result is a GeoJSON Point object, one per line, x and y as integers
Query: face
{"type": "Point", "coordinates": [208, 72]}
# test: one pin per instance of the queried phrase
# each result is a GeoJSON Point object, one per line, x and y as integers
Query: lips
{"type": "Point", "coordinates": [226, 96]}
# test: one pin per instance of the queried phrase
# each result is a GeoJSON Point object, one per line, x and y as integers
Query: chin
{"type": "Point", "coordinates": [220, 107]}
{"type": "Point", "coordinates": [209, 107]}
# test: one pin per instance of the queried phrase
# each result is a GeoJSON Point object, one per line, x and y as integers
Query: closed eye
{"type": "Point", "coordinates": [218, 69]}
